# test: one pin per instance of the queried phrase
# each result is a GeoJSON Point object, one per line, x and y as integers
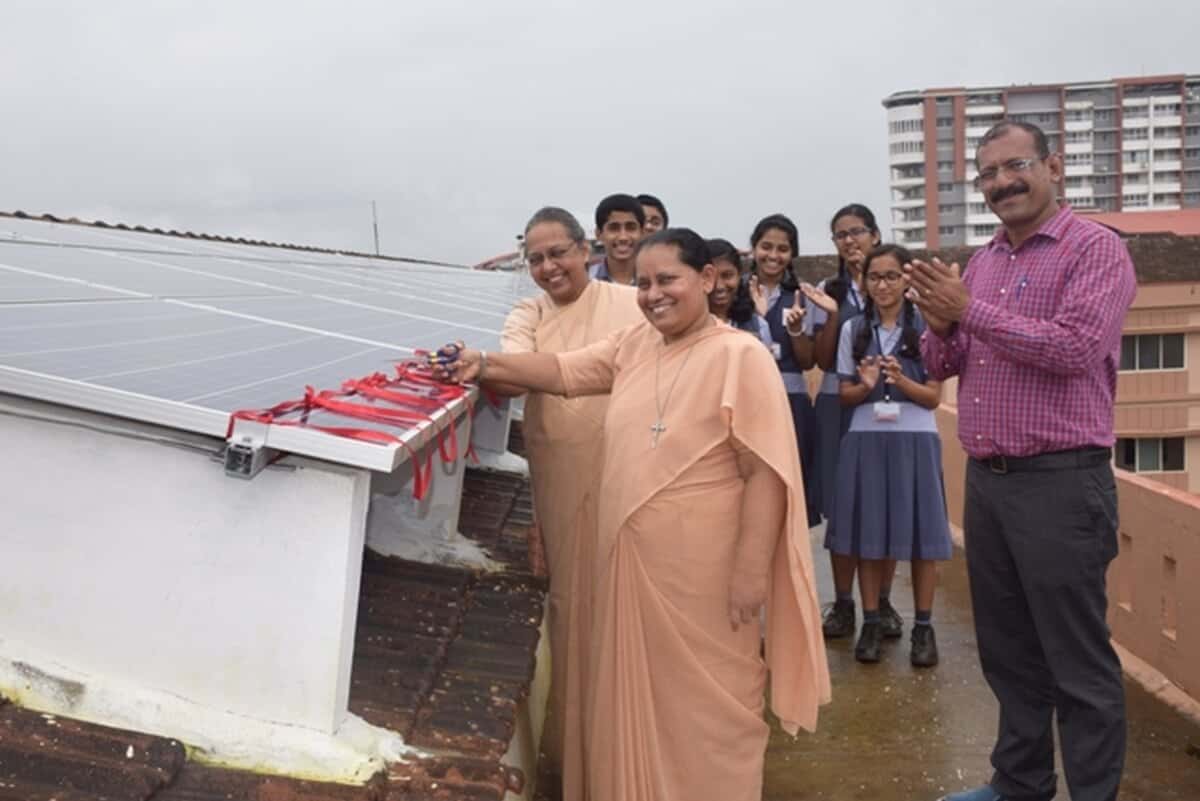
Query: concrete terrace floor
{"type": "Point", "coordinates": [895, 733]}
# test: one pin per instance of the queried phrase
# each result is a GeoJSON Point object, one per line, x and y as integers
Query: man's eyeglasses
{"type": "Point", "coordinates": [852, 233]}
{"type": "Point", "coordinates": [1012, 167]}
{"type": "Point", "coordinates": [554, 254]}
{"type": "Point", "coordinates": [889, 278]}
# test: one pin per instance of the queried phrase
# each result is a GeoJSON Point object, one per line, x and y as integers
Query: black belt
{"type": "Point", "coordinates": [1057, 460]}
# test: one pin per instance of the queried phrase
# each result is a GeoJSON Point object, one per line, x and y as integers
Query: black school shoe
{"type": "Point", "coordinates": [924, 647]}
{"type": "Point", "coordinates": [839, 620]}
{"type": "Point", "coordinates": [869, 642]}
{"type": "Point", "coordinates": [890, 622]}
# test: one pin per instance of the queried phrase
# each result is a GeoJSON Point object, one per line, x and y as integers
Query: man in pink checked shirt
{"type": "Point", "coordinates": [1033, 332]}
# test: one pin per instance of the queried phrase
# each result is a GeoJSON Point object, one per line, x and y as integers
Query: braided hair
{"type": "Point", "coordinates": [910, 338]}
{"type": "Point", "coordinates": [838, 286]}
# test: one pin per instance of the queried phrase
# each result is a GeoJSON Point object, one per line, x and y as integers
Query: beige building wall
{"type": "Point", "coordinates": [1165, 403]}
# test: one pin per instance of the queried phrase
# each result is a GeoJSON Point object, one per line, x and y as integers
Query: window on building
{"type": "Point", "coordinates": [1135, 201]}
{"type": "Point", "coordinates": [1151, 455]}
{"type": "Point", "coordinates": [944, 187]}
{"type": "Point", "coordinates": [977, 208]}
{"type": "Point", "coordinates": [945, 122]}
{"type": "Point", "coordinates": [983, 230]}
{"type": "Point", "coordinates": [946, 230]}
{"type": "Point", "coordinates": [945, 165]}
{"type": "Point", "coordinates": [1079, 158]}
{"type": "Point", "coordinates": [1133, 134]}
{"type": "Point", "coordinates": [1167, 199]}
{"type": "Point", "coordinates": [1152, 352]}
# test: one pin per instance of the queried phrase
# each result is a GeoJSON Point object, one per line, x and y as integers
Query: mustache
{"type": "Point", "coordinates": [1009, 191]}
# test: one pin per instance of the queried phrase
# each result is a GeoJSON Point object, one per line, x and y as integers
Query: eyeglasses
{"type": "Point", "coordinates": [851, 233]}
{"type": "Point", "coordinates": [889, 278]}
{"type": "Point", "coordinates": [1012, 167]}
{"type": "Point", "coordinates": [555, 254]}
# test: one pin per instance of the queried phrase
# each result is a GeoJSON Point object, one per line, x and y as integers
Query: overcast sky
{"type": "Point", "coordinates": [283, 120]}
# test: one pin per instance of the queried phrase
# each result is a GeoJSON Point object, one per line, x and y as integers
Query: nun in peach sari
{"type": "Point", "coordinates": [701, 524]}
{"type": "Point", "coordinates": [564, 439]}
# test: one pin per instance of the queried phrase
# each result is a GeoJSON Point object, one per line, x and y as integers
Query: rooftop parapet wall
{"type": "Point", "coordinates": [1154, 604]}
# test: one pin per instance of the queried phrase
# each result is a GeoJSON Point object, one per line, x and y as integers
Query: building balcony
{"type": "Point", "coordinates": [1135, 144]}
{"type": "Point", "coordinates": [907, 136]}
{"type": "Point", "coordinates": [1078, 147]}
{"type": "Point", "coordinates": [908, 203]}
{"type": "Point", "coordinates": [1135, 122]}
{"type": "Point", "coordinates": [983, 111]}
{"type": "Point", "coordinates": [1080, 125]}
{"type": "Point", "coordinates": [899, 159]}
{"type": "Point", "coordinates": [901, 183]}
{"type": "Point", "coordinates": [1164, 120]}
{"type": "Point", "coordinates": [1166, 186]}
{"type": "Point", "coordinates": [907, 225]}
{"type": "Point", "coordinates": [1165, 143]}
{"type": "Point", "coordinates": [1163, 166]}
{"type": "Point", "coordinates": [1079, 169]}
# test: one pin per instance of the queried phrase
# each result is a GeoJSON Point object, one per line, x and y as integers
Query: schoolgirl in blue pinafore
{"type": "Point", "coordinates": [803, 417]}
{"type": "Point", "coordinates": [890, 502]}
{"type": "Point", "coordinates": [832, 419]}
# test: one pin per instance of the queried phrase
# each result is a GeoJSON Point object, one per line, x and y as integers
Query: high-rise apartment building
{"type": "Point", "coordinates": [1129, 144]}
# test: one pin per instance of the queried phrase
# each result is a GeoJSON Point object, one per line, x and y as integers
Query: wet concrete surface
{"type": "Point", "coordinates": [897, 733]}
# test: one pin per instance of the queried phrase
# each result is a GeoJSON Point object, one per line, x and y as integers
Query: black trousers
{"type": "Point", "coordinates": [1038, 544]}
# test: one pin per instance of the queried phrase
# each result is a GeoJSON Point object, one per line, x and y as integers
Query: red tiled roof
{"type": "Point", "coordinates": [1157, 258]}
{"type": "Point", "coordinates": [1181, 223]}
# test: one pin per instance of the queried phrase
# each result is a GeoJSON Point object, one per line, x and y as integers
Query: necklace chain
{"type": "Point", "coordinates": [661, 407]}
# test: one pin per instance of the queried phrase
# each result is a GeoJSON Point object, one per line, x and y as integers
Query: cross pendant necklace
{"type": "Point", "coordinates": [661, 408]}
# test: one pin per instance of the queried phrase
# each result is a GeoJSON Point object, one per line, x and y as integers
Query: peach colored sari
{"type": "Point", "coordinates": [675, 699]}
{"type": "Point", "coordinates": [564, 443]}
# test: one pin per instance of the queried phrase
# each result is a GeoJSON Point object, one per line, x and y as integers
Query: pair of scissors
{"type": "Point", "coordinates": [445, 356]}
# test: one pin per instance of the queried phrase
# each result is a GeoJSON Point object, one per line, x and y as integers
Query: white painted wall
{"type": "Point", "coordinates": [136, 561]}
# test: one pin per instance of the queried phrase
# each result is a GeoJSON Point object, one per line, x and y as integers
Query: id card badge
{"type": "Point", "coordinates": [776, 351]}
{"type": "Point", "coordinates": [887, 411]}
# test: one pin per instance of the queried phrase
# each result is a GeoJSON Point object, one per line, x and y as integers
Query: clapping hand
{"type": "Point", "coordinates": [820, 299]}
{"type": "Point", "coordinates": [759, 296]}
{"type": "Point", "coordinates": [868, 371]}
{"type": "Point", "coordinates": [938, 291]}
{"type": "Point", "coordinates": [892, 372]}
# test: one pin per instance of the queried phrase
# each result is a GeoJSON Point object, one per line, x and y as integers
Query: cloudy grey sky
{"type": "Point", "coordinates": [284, 119]}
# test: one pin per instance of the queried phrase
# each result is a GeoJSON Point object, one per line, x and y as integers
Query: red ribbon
{"type": "Point", "coordinates": [406, 401]}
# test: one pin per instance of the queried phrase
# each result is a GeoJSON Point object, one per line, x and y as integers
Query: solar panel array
{"type": "Point", "coordinates": [183, 332]}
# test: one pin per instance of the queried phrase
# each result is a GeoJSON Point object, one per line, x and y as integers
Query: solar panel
{"type": "Point", "coordinates": [183, 332]}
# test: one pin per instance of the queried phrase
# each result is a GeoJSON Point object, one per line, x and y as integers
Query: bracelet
{"type": "Point", "coordinates": [794, 333]}
{"type": "Point", "coordinates": [482, 365]}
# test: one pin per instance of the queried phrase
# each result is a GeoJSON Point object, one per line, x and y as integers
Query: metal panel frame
{"type": "Point", "coordinates": [186, 417]}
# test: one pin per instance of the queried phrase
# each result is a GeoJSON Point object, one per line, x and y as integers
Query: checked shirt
{"type": "Point", "coordinates": [1038, 348]}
